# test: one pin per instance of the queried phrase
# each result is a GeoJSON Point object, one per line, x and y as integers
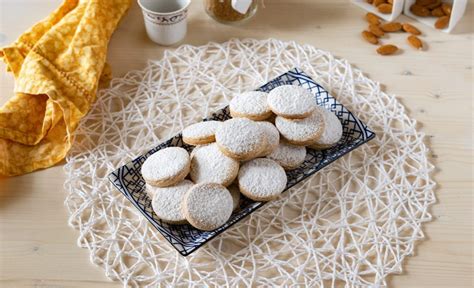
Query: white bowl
{"type": "Point", "coordinates": [459, 6]}
{"type": "Point", "coordinates": [396, 10]}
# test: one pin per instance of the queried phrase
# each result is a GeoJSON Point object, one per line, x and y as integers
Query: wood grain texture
{"type": "Point", "coordinates": [38, 248]}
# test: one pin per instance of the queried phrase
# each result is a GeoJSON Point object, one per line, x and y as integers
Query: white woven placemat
{"type": "Point", "coordinates": [351, 224]}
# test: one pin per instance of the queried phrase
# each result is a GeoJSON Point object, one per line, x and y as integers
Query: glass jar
{"type": "Point", "coordinates": [226, 11]}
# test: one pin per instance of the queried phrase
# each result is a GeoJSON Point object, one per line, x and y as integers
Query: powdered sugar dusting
{"type": "Point", "coordinates": [301, 130]}
{"type": "Point", "coordinates": [290, 100]}
{"type": "Point", "coordinates": [262, 179]}
{"type": "Point", "coordinates": [165, 163]}
{"type": "Point", "coordinates": [167, 201]}
{"type": "Point", "coordinates": [207, 206]}
{"type": "Point", "coordinates": [271, 135]}
{"type": "Point", "coordinates": [250, 103]}
{"type": "Point", "coordinates": [210, 165]}
{"type": "Point", "coordinates": [201, 130]}
{"type": "Point", "coordinates": [240, 136]}
{"type": "Point", "coordinates": [288, 156]}
{"type": "Point", "coordinates": [332, 129]}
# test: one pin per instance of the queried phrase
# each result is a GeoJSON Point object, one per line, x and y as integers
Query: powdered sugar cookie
{"type": "Point", "coordinates": [235, 193]}
{"type": "Point", "coordinates": [207, 206]}
{"type": "Point", "coordinates": [167, 202]}
{"type": "Point", "coordinates": [290, 101]}
{"type": "Point", "coordinates": [262, 179]}
{"type": "Point", "coordinates": [332, 131]}
{"type": "Point", "coordinates": [166, 167]}
{"type": "Point", "coordinates": [301, 131]}
{"type": "Point", "coordinates": [271, 135]}
{"type": "Point", "coordinates": [210, 165]}
{"type": "Point", "coordinates": [200, 133]}
{"type": "Point", "coordinates": [252, 105]}
{"type": "Point", "coordinates": [240, 138]}
{"type": "Point", "coordinates": [288, 156]}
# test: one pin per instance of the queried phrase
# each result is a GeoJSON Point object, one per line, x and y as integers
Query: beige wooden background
{"type": "Point", "coordinates": [38, 249]}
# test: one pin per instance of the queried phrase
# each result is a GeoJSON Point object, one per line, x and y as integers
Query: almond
{"type": "Point", "coordinates": [370, 37]}
{"type": "Point", "coordinates": [419, 10]}
{"type": "Point", "coordinates": [425, 2]}
{"type": "Point", "coordinates": [375, 29]}
{"type": "Point", "coordinates": [387, 49]}
{"type": "Point", "coordinates": [378, 2]}
{"type": "Point", "coordinates": [442, 22]}
{"type": "Point", "coordinates": [391, 27]}
{"type": "Point", "coordinates": [390, 1]}
{"type": "Point", "coordinates": [415, 42]}
{"type": "Point", "coordinates": [385, 8]}
{"type": "Point", "coordinates": [370, 1]}
{"type": "Point", "coordinates": [446, 8]}
{"type": "Point", "coordinates": [436, 4]}
{"type": "Point", "coordinates": [411, 29]}
{"type": "Point", "coordinates": [437, 12]}
{"type": "Point", "coordinates": [372, 18]}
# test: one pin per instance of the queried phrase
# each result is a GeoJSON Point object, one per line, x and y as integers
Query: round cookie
{"type": "Point", "coordinates": [332, 131]}
{"type": "Point", "coordinates": [207, 206]}
{"type": "Point", "coordinates": [200, 133]}
{"type": "Point", "coordinates": [271, 135]}
{"type": "Point", "coordinates": [166, 167]}
{"type": "Point", "coordinates": [252, 105]}
{"type": "Point", "coordinates": [167, 202]}
{"type": "Point", "coordinates": [301, 131]}
{"type": "Point", "coordinates": [262, 179]}
{"type": "Point", "coordinates": [235, 193]}
{"type": "Point", "coordinates": [288, 156]}
{"type": "Point", "coordinates": [210, 165]}
{"type": "Point", "coordinates": [290, 101]}
{"type": "Point", "coordinates": [240, 138]}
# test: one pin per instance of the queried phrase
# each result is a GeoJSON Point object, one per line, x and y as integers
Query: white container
{"type": "Point", "coordinates": [165, 20]}
{"type": "Point", "coordinates": [459, 6]}
{"type": "Point", "coordinates": [397, 9]}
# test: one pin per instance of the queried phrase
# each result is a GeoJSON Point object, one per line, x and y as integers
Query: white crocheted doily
{"type": "Point", "coordinates": [351, 224]}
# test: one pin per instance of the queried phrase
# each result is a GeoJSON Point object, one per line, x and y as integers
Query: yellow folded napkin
{"type": "Point", "coordinates": [57, 65]}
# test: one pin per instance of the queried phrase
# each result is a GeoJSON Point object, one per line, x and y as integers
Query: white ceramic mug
{"type": "Point", "coordinates": [165, 20]}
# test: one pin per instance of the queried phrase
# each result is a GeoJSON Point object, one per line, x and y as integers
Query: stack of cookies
{"type": "Point", "coordinates": [247, 154]}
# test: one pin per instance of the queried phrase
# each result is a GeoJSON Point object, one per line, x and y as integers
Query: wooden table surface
{"type": "Point", "coordinates": [38, 248]}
